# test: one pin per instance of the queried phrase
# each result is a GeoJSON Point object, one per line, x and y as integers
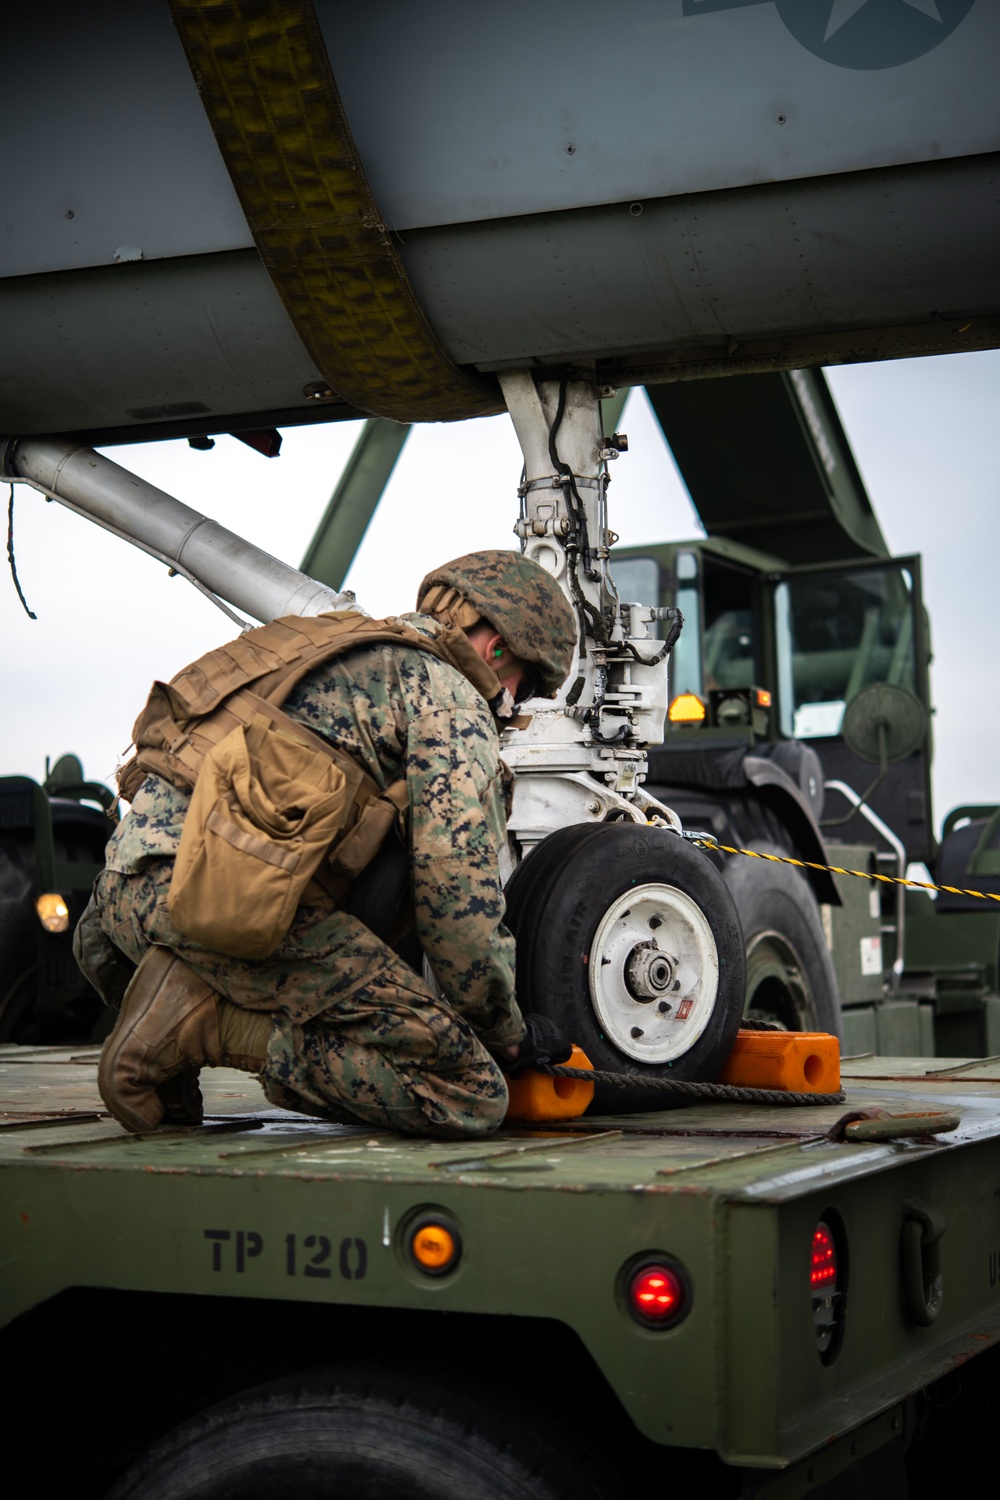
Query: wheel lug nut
{"type": "Point", "coordinates": [636, 1032]}
{"type": "Point", "coordinates": [655, 922]}
{"type": "Point", "coordinates": [664, 1007]}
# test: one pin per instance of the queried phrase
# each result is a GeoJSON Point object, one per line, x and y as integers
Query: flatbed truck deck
{"type": "Point", "coordinates": [278, 1213]}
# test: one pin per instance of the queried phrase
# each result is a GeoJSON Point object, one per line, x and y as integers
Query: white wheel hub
{"type": "Point", "coordinates": [654, 973]}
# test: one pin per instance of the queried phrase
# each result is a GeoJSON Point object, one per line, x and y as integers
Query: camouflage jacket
{"type": "Point", "coordinates": [399, 713]}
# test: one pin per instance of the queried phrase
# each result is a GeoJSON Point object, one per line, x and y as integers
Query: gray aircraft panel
{"type": "Point", "coordinates": [464, 113]}
{"type": "Point", "coordinates": [878, 249]}
{"type": "Point", "coordinates": [469, 112]}
{"type": "Point", "coordinates": [107, 148]}
{"type": "Point", "coordinates": [137, 344]}
{"type": "Point", "coordinates": [133, 345]}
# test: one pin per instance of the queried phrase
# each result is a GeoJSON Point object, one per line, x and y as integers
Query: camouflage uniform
{"type": "Point", "coordinates": [357, 1034]}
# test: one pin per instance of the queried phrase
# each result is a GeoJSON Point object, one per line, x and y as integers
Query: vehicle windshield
{"type": "Point", "coordinates": [637, 580]}
{"type": "Point", "coordinates": [730, 658]}
{"type": "Point", "coordinates": [837, 632]}
{"type": "Point", "coordinates": [716, 648]}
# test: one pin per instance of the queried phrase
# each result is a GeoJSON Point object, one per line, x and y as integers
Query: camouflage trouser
{"type": "Point", "coordinates": [358, 1036]}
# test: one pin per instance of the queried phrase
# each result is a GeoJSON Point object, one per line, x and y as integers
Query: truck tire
{"type": "Point", "coordinates": [628, 939]}
{"type": "Point", "coordinates": [320, 1437]}
{"type": "Point", "coordinates": [790, 974]}
{"type": "Point", "coordinates": [17, 1003]}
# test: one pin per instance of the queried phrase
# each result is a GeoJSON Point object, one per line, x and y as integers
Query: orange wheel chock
{"type": "Point", "coordinates": [535, 1096]}
{"type": "Point", "coordinates": [799, 1062]}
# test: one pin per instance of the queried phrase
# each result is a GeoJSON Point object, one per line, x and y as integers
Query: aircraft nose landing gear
{"type": "Point", "coordinates": [627, 936]}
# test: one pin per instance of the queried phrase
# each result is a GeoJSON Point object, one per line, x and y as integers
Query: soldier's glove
{"type": "Point", "coordinates": [544, 1043]}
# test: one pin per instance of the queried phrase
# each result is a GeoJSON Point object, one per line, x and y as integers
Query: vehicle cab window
{"type": "Point", "coordinates": [730, 658]}
{"type": "Point", "coordinates": [637, 580]}
{"type": "Point", "coordinates": [685, 659]}
{"type": "Point", "coordinates": [837, 632]}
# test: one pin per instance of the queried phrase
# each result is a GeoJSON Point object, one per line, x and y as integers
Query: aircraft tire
{"type": "Point", "coordinates": [628, 938]}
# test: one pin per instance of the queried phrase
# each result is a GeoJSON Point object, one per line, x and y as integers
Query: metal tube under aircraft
{"type": "Point", "coordinates": [208, 554]}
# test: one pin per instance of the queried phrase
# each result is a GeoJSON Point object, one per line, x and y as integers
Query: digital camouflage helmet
{"type": "Point", "coordinates": [519, 599]}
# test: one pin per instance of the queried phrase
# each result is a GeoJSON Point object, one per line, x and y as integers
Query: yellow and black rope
{"type": "Point", "coordinates": [706, 841]}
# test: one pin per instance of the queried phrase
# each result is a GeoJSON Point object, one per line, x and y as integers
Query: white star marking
{"type": "Point", "coordinates": [841, 12]}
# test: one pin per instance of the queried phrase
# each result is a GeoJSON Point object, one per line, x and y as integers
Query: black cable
{"type": "Point", "coordinates": [580, 542]}
{"type": "Point", "coordinates": [572, 544]}
{"type": "Point", "coordinates": [10, 557]}
{"type": "Point", "coordinates": [554, 459]}
{"type": "Point", "coordinates": [666, 647]}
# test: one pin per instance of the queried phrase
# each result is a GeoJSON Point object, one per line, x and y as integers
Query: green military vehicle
{"type": "Point", "coordinates": [52, 838]}
{"type": "Point", "coordinates": [736, 1299]}
{"type": "Point", "coordinates": [800, 725]}
{"type": "Point", "coordinates": [236, 217]}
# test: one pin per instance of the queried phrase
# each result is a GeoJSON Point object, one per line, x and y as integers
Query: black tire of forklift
{"type": "Point", "coordinates": [556, 901]}
{"type": "Point", "coordinates": [322, 1437]}
{"type": "Point", "coordinates": [790, 973]}
{"type": "Point", "coordinates": [16, 1006]}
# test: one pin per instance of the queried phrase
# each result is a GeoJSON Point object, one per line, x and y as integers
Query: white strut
{"type": "Point", "coordinates": [582, 757]}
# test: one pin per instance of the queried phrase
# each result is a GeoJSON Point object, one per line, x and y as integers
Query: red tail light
{"type": "Point", "coordinates": [823, 1265]}
{"type": "Point", "coordinates": [657, 1293]}
{"type": "Point", "coordinates": [826, 1287]}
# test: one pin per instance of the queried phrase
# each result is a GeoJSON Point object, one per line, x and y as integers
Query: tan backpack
{"type": "Point", "coordinates": [274, 806]}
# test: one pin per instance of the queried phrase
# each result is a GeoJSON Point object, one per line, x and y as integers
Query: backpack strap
{"type": "Point", "coordinates": [184, 718]}
{"type": "Point", "coordinates": [449, 645]}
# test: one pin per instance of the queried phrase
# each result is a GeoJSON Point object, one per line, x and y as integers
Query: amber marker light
{"type": "Point", "coordinates": [657, 1293]}
{"type": "Point", "coordinates": [762, 698]}
{"type": "Point", "coordinates": [53, 913]}
{"type": "Point", "coordinates": [435, 1246]}
{"type": "Point", "coordinates": [687, 708]}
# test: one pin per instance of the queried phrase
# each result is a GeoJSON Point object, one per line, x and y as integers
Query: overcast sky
{"type": "Point", "coordinates": [925, 432]}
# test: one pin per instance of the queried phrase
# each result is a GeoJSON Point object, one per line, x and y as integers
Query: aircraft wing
{"type": "Point", "coordinates": [229, 217]}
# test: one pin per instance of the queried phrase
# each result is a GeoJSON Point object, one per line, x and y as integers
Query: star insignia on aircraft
{"type": "Point", "coordinates": [866, 34]}
{"type": "Point", "coordinates": [841, 12]}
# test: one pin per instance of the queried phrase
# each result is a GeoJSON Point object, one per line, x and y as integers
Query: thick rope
{"type": "Point", "coordinates": [722, 1093]}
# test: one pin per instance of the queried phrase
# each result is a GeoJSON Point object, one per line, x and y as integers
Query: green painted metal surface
{"type": "Point", "coordinates": [352, 504]}
{"type": "Point", "coordinates": [768, 464]}
{"type": "Point", "coordinates": [266, 1205]}
{"type": "Point", "coordinates": [853, 928]}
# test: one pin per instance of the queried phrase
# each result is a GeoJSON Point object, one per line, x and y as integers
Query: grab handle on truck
{"type": "Point", "coordinates": [920, 1262]}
